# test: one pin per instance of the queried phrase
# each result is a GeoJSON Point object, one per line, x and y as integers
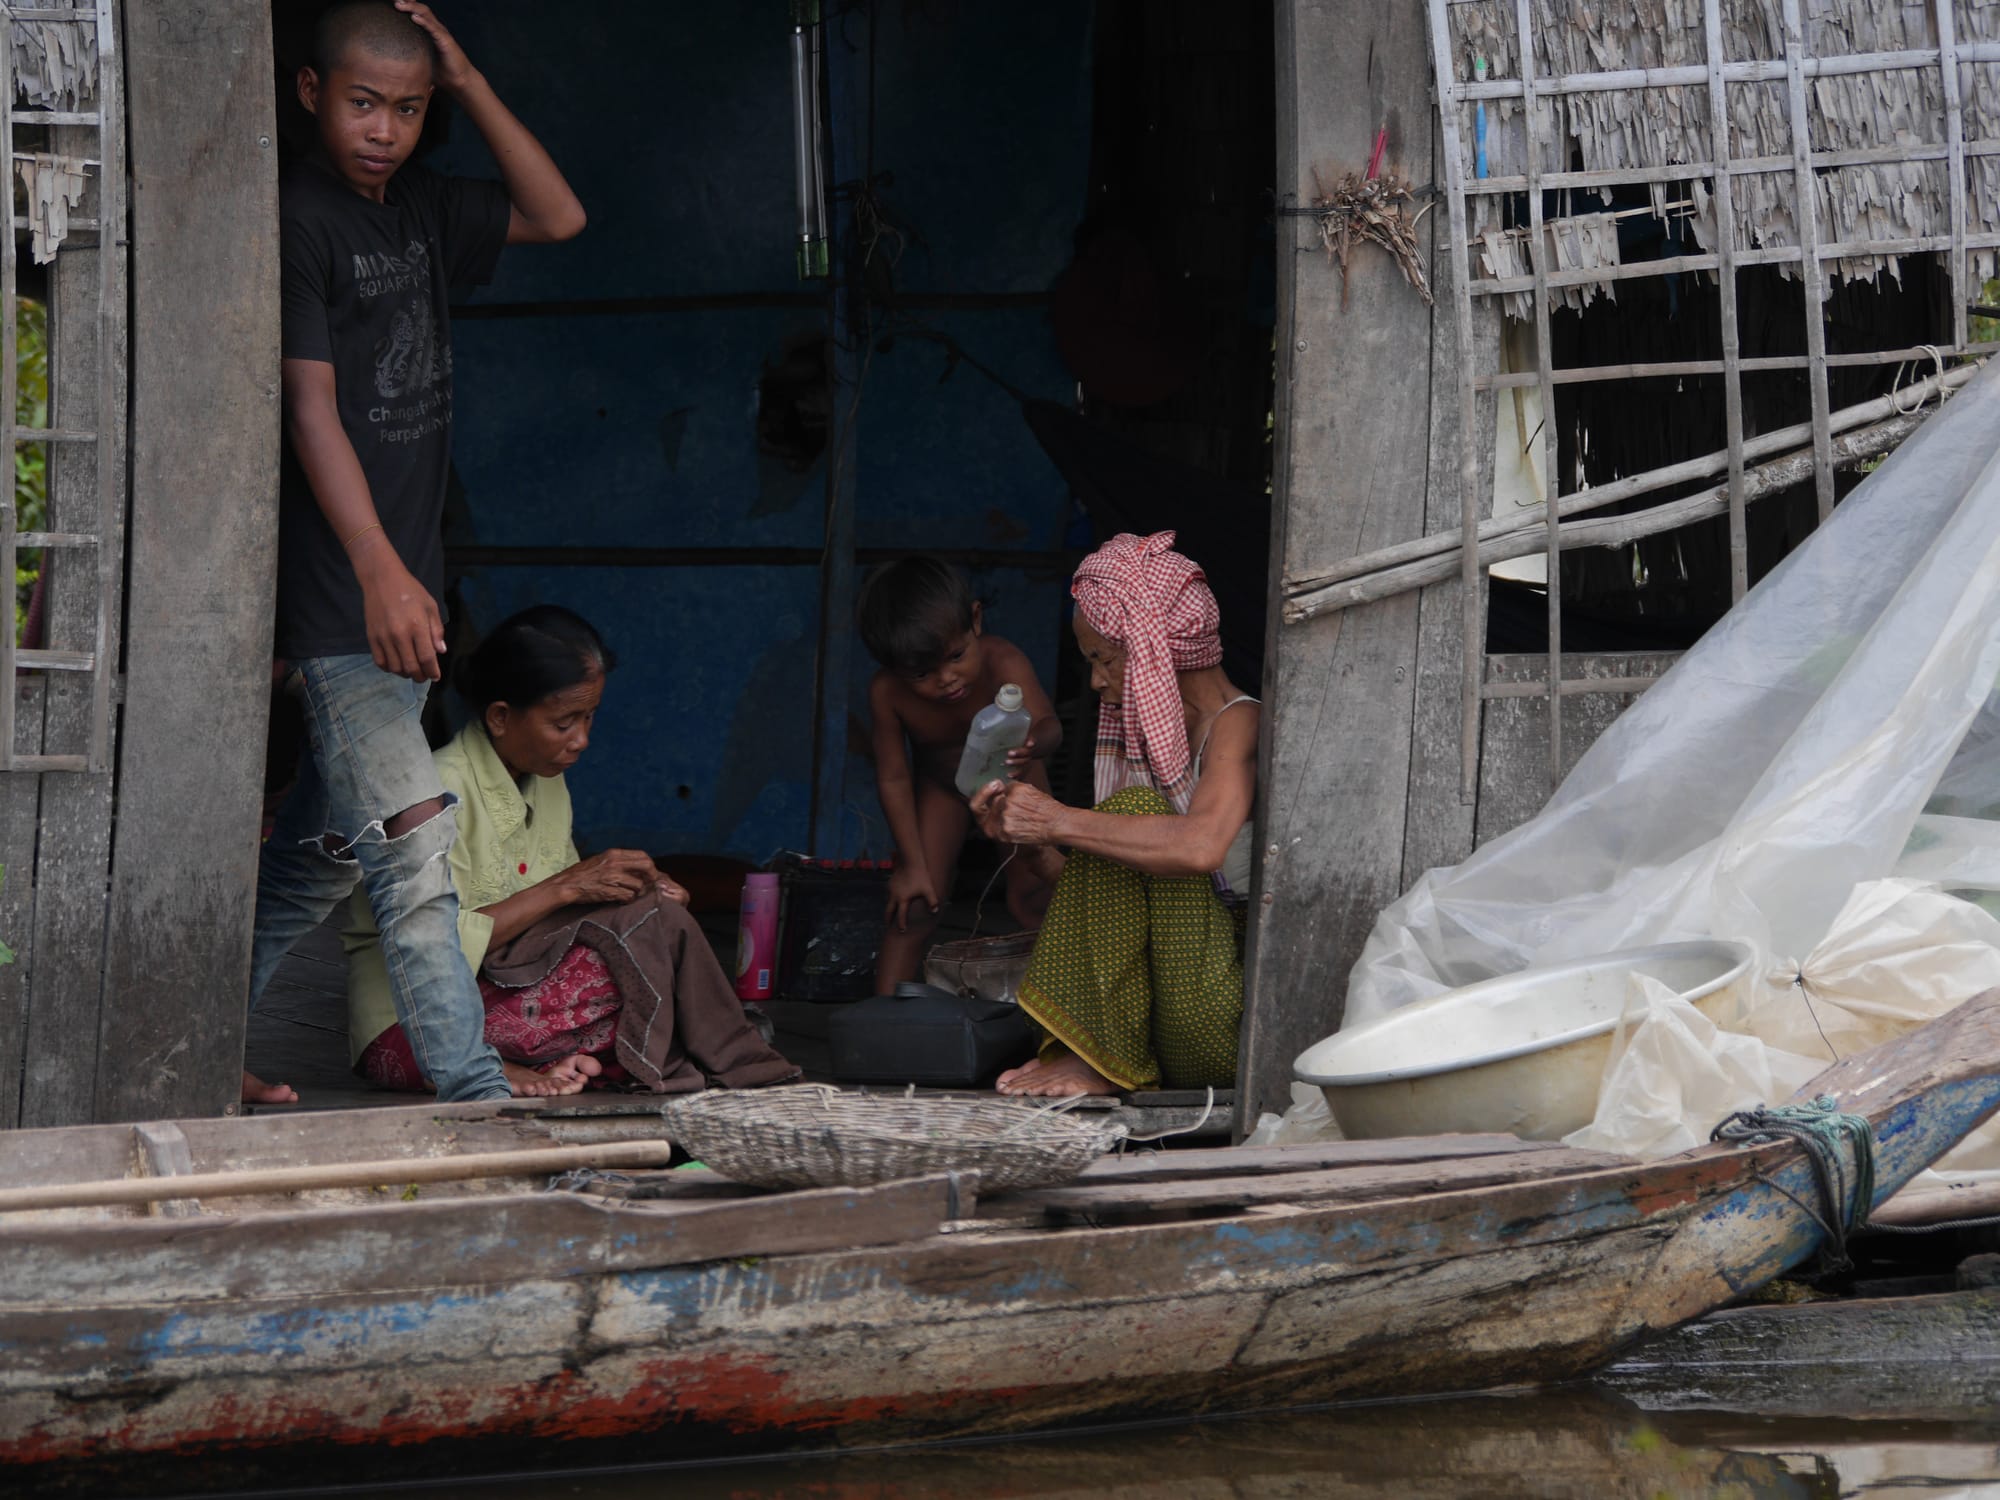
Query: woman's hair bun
{"type": "Point", "coordinates": [528, 656]}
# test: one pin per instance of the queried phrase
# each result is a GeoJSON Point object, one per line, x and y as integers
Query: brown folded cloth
{"type": "Point", "coordinates": [682, 1027]}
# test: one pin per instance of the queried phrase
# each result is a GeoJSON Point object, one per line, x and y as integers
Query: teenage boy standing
{"type": "Point", "coordinates": [371, 247]}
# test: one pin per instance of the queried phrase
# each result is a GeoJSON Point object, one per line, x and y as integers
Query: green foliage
{"type": "Point", "coordinates": [31, 409]}
{"type": "Point", "coordinates": [1986, 330]}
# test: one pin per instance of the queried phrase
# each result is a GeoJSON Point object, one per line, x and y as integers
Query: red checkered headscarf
{"type": "Point", "coordinates": [1139, 593]}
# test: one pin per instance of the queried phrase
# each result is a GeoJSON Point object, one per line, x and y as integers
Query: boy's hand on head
{"type": "Point", "coordinates": [907, 883]}
{"type": "Point", "coordinates": [454, 68]}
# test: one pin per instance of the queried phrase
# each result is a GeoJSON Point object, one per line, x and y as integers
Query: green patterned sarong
{"type": "Point", "coordinates": [1139, 975]}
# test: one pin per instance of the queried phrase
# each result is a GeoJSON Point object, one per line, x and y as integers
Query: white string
{"type": "Point", "coordinates": [1906, 367]}
{"type": "Point", "coordinates": [1185, 1131]}
{"type": "Point", "coordinates": [979, 906]}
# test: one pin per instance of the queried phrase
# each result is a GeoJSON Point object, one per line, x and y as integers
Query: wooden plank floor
{"type": "Point", "coordinates": [298, 1034]}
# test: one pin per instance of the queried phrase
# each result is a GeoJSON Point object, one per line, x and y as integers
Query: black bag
{"type": "Point", "coordinates": [929, 1037]}
{"type": "Point", "coordinates": [831, 930]}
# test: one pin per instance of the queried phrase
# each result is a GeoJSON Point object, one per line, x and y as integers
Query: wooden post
{"type": "Point", "coordinates": [20, 813]}
{"type": "Point", "coordinates": [1350, 474]}
{"type": "Point", "coordinates": [204, 232]}
{"type": "Point", "coordinates": [86, 393]}
{"type": "Point", "coordinates": [847, 104]}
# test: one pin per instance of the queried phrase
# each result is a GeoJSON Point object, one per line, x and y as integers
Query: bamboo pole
{"type": "Point", "coordinates": [1636, 174]}
{"type": "Point", "coordinates": [1725, 237]}
{"type": "Point", "coordinates": [1780, 440]}
{"type": "Point", "coordinates": [1955, 162]}
{"type": "Point", "coordinates": [1805, 214]}
{"type": "Point", "coordinates": [9, 519]}
{"type": "Point", "coordinates": [1472, 583]}
{"type": "Point", "coordinates": [1780, 255]}
{"type": "Point", "coordinates": [1538, 262]}
{"type": "Point", "coordinates": [1599, 531]}
{"type": "Point", "coordinates": [1755, 365]}
{"type": "Point", "coordinates": [1772, 70]}
{"type": "Point", "coordinates": [358, 1174]}
{"type": "Point", "coordinates": [1570, 687]}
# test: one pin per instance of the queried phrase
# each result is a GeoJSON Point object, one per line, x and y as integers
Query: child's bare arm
{"type": "Point", "coordinates": [1045, 735]}
{"type": "Point", "coordinates": [545, 210]}
{"type": "Point", "coordinates": [405, 634]}
{"type": "Point", "coordinates": [895, 786]}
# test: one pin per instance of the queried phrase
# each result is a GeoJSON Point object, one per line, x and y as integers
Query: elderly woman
{"type": "Point", "coordinates": [591, 969]}
{"type": "Point", "coordinates": [1137, 976]}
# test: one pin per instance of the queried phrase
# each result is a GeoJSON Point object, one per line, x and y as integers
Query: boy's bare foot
{"type": "Point", "coordinates": [568, 1075]}
{"type": "Point", "coordinates": [1059, 1078]}
{"type": "Point", "coordinates": [256, 1091]}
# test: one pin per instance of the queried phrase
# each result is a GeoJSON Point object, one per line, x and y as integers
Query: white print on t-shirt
{"type": "Point", "coordinates": [413, 360]}
{"type": "Point", "coordinates": [381, 273]}
{"type": "Point", "coordinates": [405, 359]}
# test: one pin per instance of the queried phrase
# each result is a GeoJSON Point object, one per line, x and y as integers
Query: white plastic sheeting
{"type": "Point", "coordinates": [1837, 728]}
{"type": "Point", "coordinates": [1899, 953]}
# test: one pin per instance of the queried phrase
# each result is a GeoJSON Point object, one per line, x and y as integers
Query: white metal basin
{"type": "Point", "coordinates": [1521, 1054]}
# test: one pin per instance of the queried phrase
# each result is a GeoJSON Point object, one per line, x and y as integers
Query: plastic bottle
{"type": "Point", "coordinates": [757, 938]}
{"type": "Point", "coordinates": [996, 729]}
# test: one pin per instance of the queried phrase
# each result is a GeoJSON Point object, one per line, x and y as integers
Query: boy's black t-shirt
{"type": "Point", "coordinates": [367, 290]}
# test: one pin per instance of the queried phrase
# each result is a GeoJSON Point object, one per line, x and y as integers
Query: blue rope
{"type": "Point", "coordinates": [1828, 1136]}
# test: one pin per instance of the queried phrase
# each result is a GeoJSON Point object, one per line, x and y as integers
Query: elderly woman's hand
{"type": "Point", "coordinates": [614, 875]}
{"type": "Point", "coordinates": [1017, 812]}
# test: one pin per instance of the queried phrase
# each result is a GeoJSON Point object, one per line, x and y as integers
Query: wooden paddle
{"type": "Point", "coordinates": [549, 1159]}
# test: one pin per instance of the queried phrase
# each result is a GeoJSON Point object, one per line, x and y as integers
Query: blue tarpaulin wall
{"type": "Point", "coordinates": [608, 389]}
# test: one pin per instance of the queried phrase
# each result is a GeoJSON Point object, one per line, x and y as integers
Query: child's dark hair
{"type": "Point", "coordinates": [528, 656]}
{"type": "Point", "coordinates": [912, 610]}
{"type": "Point", "coordinates": [373, 26]}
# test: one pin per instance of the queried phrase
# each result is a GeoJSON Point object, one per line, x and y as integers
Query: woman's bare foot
{"type": "Point", "coordinates": [256, 1091]}
{"type": "Point", "coordinates": [568, 1075]}
{"type": "Point", "coordinates": [1058, 1078]}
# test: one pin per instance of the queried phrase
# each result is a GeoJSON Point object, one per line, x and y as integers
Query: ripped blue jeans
{"type": "Point", "coordinates": [366, 761]}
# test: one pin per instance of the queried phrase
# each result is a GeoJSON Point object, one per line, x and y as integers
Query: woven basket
{"type": "Point", "coordinates": [813, 1136]}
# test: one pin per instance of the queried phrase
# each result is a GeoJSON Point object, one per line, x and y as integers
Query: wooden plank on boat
{"type": "Point", "coordinates": [81, 1153]}
{"type": "Point", "coordinates": [358, 1174]}
{"type": "Point", "coordinates": [1145, 1199]}
{"type": "Point", "coordinates": [391, 1246]}
{"type": "Point", "coordinates": [1239, 1161]}
{"type": "Point", "coordinates": [1192, 1165]}
{"type": "Point", "coordinates": [163, 1152]}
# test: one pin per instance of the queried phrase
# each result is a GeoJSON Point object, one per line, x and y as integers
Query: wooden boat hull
{"type": "Point", "coordinates": [474, 1335]}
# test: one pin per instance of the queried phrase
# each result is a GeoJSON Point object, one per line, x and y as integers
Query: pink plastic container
{"type": "Point", "coordinates": [757, 938]}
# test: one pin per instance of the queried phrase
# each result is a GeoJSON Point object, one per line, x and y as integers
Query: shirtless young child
{"type": "Point", "coordinates": [939, 668]}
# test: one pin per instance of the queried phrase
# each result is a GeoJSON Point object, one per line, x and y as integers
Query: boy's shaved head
{"type": "Point", "coordinates": [371, 26]}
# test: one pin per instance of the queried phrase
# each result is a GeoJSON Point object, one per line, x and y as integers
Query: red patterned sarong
{"type": "Point", "coordinates": [573, 1008]}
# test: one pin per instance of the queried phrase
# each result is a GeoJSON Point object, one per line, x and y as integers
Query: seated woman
{"type": "Point", "coordinates": [1137, 976]}
{"type": "Point", "coordinates": [592, 970]}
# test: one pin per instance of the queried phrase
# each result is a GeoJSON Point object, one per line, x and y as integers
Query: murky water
{"type": "Point", "coordinates": [1584, 1444]}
